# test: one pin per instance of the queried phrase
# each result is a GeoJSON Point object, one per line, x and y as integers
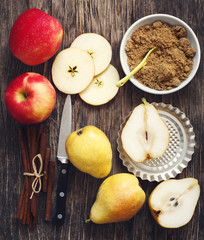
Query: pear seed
{"type": "Point", "coordinates": [146, 135]}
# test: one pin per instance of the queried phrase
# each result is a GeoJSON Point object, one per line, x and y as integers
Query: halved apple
{"type": "Point", "coordinates": [72, 70]}
{"type": "Point", "coordinates": [145, 135]}
{"type": "Point", "coordinates": [102, 88]}
{"type": "Point", "coordinates": [97, 47]}
{"type": "Point", "coordinates": [172, 202]}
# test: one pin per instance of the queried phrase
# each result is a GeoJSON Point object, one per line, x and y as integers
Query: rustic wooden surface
{"type": "Point", "coordinates": [110, 18]}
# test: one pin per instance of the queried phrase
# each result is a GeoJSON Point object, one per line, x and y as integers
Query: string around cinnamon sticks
{"type": "Point", "coordinates": [37, 174]}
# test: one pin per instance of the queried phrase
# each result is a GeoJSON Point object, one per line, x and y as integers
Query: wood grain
{"type": "Point", "coordinates": [110, 19]}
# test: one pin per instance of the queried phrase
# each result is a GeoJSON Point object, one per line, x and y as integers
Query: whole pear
{"type": "Point", "coordinates": [89, 150]}
{"type": "Point", "coordinates": [119, 198]}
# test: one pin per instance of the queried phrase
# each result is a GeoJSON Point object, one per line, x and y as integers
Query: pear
{"type": "Point", "coordinates": [172, 202]}
{"type": "Point", "coordinates": [98, 47]}
{"type": "Point", "coordinates": [119, 198]}
{"type": "Point", "coordinates": [89, 150]}
{"type": "Point", "coordinates": [102, 88]}
{"type": "Point", "coordinates": [145, 135]}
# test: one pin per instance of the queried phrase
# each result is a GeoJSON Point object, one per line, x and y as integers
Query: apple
{"type": "Point", "coordinates": [89, 150]}
{"type": "Point", "coordinates": [145, 135]}
{"type": "Point", "coordinates": [172, 203]}
{"type": "Point", "coordinates": [35, 37]}
{"type": "Point", "coordinates": [72, 70]}
{"type": "Point", "coordinates": [102, 88]}
{"type": "Point", "coordinates": [98, 48]}
{"type": "Point", "coordinates": [30, 98]}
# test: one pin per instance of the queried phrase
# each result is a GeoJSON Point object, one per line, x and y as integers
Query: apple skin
{"type": "Point", "coordinates": [30, 98]}
{"type": "Point", "coordinates": [35, 37]}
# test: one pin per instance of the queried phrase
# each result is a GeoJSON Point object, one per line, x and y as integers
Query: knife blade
{"type": "Point", "coordinates": [65, 130]}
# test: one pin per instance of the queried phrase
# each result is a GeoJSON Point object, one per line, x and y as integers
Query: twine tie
{"type": "Point", "coordinates": [37, 174]}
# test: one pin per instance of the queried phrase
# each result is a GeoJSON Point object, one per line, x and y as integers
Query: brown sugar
{"type": "Point", "coordinates": [169, 64]}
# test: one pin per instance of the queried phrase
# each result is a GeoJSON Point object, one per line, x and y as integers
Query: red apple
{"type": "Point", "coordinates": [35, 37]}
{"type": "Point", "coordinates": [30, 98]}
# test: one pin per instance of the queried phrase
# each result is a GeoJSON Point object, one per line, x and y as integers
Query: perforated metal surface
{"type": "Point", "coordinates": [178, 153]}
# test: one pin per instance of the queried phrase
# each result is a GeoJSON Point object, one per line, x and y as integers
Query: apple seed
{"type": "Point", "coordinates": [98, 82]}
{"type": "Point", "coordinates": [73, 70]}
{"type": "Point", "coordinates": [90, 53]}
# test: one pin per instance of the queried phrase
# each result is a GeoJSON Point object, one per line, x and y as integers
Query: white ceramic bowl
{"type": "Point", "coordinates": [149, 20]}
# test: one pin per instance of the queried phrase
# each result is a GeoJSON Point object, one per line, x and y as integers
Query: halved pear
{"type": "Point", "coordinates": [98, 48]}
{"type": "Point", "coordinates": [145, 135]}
{"type": "Point", "coordinates": [72, 70]}
{"type": "Point", "coordinates": [172, 202]}
{"type": "Point", "coordinates": [102, 88]}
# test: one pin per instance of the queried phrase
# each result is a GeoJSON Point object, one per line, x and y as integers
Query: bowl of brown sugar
{"type": "Point", "coordinates": [172, 65]}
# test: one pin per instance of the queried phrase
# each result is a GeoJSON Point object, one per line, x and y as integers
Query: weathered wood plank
{"type": "Point", "coordinates": [110, 19]}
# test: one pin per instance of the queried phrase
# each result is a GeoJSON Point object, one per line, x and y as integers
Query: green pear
{"type": "Point", "coordinates": [89, 150]}
{"type": "Point", "coordinates": [119, 198]}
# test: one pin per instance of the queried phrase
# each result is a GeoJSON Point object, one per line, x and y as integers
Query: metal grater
{"type": "Point", "coordinates": [178, 153]}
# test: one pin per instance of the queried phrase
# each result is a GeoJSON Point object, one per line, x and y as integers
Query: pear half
{"type": "Point", "coordinates": [119, 198]}
{"type": "Point", "coordinates": [172, 202]}
{"type": "Point", "coordinates": [145, 135]}
{"type": "Point", "coordinates": [98, 48]}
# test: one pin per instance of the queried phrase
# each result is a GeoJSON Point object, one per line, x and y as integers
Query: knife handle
{"type": "Point", "coordinates": [59, 217]}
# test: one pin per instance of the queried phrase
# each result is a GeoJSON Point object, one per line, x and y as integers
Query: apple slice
{"type": "Point", "coordinates": [98, 48]}
{"type": "Point", "coordinates": [145, 135]}
{"type": "Point", "coordinates": [72, 70]}
{"type": "Point", "coordinates": [172, 202]}
{"type": "Point", "coordinates": [102, 88]}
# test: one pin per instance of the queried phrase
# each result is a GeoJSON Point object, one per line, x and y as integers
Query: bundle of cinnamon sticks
{"type": "Point", "coordinates": [33, 141]}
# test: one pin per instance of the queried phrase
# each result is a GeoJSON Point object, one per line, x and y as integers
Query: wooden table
{"type": "Point", "coordinates": [110, 19]}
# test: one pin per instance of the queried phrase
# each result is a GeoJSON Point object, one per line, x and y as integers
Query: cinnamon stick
{"type": "Point", "coordinates": [20, 203]}
{"type": "Point", "coordinates": [45, 177]}
{"type": "Point", "coordinates": [22, 211]}
{"type": "Point", "coordinates": [43, 143]}
{"type": "Point", "coordinates": [49, 190]}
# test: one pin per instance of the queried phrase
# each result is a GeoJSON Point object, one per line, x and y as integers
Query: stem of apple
{"type": "Point", "coordinates": [136, 69]}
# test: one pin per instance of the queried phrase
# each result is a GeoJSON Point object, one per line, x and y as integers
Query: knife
{"type": "Point", "coordinates": [65, 130]}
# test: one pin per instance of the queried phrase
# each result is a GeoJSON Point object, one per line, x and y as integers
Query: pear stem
{"type": "Point", "coordinates": [88, 220]}
{"type": "Point", "coordinates": [136, 69]}
{"type": "Point", "coordinates": [144, 100]}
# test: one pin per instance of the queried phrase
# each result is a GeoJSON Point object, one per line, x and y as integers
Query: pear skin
{"type": "Point", "coordinates": [119, 198]}
{"type": "Point", "coordinates": [90, 151]}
